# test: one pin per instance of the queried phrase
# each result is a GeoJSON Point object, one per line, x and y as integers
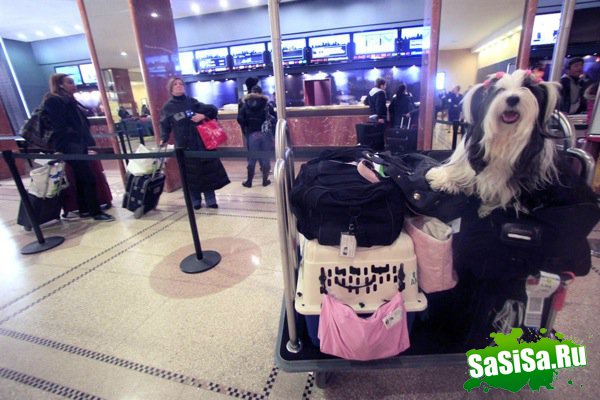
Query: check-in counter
{"type": "Point", "coordinates": [318, 126]}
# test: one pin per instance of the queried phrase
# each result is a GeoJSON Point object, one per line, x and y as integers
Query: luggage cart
{"type": "Point", "coordinates": [294, 351]}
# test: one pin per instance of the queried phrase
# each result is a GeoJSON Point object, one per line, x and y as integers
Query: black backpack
{"type": "Point", "coordinates": [37, 130]}
{"type": "Point", "coordinates": [330, 197]}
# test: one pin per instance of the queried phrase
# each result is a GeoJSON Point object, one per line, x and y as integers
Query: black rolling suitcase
{"type": "Point", "coordinates": [401, 138]}
{"type": "Point", "coordinates": [143, 192]}
{"type": "Point", "coordinates": [370, 135]}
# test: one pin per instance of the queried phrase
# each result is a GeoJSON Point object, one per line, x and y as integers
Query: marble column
{"type": "Point", "coordinates": [431, 22]}
{"type": "Point", "coordinates": [156, 41]}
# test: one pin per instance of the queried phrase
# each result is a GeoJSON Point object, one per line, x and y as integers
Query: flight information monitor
{"type": "Point", "coordinates": [88, 74]}
{"type": "Point", "coordinates": [212, 60]}
{"type": "Point", "coordinates": [187, 63]}
{"type": "Point", "coordinates": [292, 51]}
{"type": "Point", "coordinates": [545, 29]}
{"type": "Point", "coordinates": [248, 56]}
{"type": "Point", "coordinates": [375, 44]}
{"type": "Point", "coordinates": [411, 41]}
{"type": "Point", "coordinates": [329, 48]}
{"type": "Point", "coordinates": [72, 71]}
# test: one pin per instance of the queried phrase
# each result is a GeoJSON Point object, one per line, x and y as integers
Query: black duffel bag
{"type": "Point", "coordinates": [330, 197]}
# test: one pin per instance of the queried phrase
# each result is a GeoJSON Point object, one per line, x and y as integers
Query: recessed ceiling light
{"type": "Point", "coordinates": [195, 7]}
{"type": "Point", "coordinates": [78, 27]}
{"type": "Point", "coordinates": [224, 3]}
{"type": "Point", "coordinates": [123, 53]}
{"type": "Point", "coordinates": [58, 30]}
{"type": "Point", "coordinates": [154, 14]}
{"type": "Point", "coordinates": [21, 36]}
{"type": "Point", "coordinates": [40, 33]}
{"type": "Point", "coordinates": [254, 2]}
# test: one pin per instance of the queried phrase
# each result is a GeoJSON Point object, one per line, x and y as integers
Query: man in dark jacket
{"type": "Point", "coordinates": [571, 93]}
{"type": "Point", "coordinates": [376, 100]}
{"type": "Point", "coordinates": [180, 115]}
{"type": "Point", "coordinates": [253, 112]}
{"type": "Point", "coordinates": [453, 101]}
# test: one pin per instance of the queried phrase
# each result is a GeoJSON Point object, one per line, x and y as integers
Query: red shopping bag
{"type": "Point", "coordinates": [212, 134]}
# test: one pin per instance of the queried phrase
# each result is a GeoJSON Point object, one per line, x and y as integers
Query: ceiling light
{"type": "Point", "coordinates": [58, 30]}
{"type": "Point", "coordinates": [154, 14]}
{"type": "Point", "coordinates": [195, 7]}
{"type": "Point", "coordinates": [254, 2]}
{"type": "Point", "coordinates": [22, 36]}
{"type": "Point", "coordinates": [224, 3]}
{"type": "Point", "coordinates": [123, 53]}
{"type": "Point", "coordinates": [40, 33]}
{"type": "Point", "coordinates": [78, 27]}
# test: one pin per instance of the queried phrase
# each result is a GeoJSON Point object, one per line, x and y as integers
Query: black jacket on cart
{"type": "Point", "coordinates": [203, 174]}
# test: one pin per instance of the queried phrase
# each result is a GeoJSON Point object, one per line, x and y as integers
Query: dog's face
{"type": "Point", "coordinates": [508, 116]}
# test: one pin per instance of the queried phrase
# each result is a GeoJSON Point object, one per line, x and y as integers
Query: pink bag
{"type": "Point", "coordinates": [344, 334]}
{"type": "Point", "coordinates": [212, 134]}
{"type": "Point", "coordinates": [433, 247]}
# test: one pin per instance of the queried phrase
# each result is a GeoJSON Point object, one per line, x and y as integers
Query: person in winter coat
{"type": "Point", "coordinates": [376, 100]}
{"type": "Point", "coordinates": [253, 111]}
{"type": "Point", "coordinates": [400, 106]}
{"type": "Point", "coordinates": [180, 115]}
{"type": "Point", "coordinates": [72, 136]}
{"type": "Point", "coordinates": [572, 101]}
{"type": "Point", "coordinates": [453, 101]}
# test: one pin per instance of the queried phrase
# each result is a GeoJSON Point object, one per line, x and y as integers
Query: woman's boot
{"type": "Point", "coordinates": [265, 174]}
{"type": "Point", "coordinates": [248, 182]}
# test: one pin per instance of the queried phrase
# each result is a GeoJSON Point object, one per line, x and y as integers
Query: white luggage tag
{"type": "Point", "coordinates": [347, 245]}
{"type": "Point", "coordinates": [538, 289]}
{"type": "Point", "coordinates": [393, 318]}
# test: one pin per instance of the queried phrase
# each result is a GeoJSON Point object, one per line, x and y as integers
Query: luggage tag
{"type": "Point", "coordinates": [392, 318]}
{"type": "Point", "coordinates": [347, 244]}
{"type": "Point", "coordinates": [538, 289]}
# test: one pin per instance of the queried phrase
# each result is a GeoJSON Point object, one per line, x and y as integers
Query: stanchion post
{"type": "Point", "coordinates": [42, 243]}
{"type": "Point", "coordinates": [201, 261]}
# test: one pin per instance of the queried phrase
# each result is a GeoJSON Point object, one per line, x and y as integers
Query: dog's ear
{"type": "Point", "coordinates": [471, 102]}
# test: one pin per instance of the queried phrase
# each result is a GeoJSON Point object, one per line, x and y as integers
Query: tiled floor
{"type": "Point", "coordinates": [109, 315]}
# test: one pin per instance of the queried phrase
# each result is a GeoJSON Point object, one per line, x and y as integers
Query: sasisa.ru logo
{"type": "Point", "coordinates": [513, 363]}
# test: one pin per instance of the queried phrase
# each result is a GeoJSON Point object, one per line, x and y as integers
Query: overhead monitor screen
{"type": "Point", "coordinates": [72, 71]}
{"type": "Point", "coordinates": [88, 73]}
{"type": "Point", "coordinates": [545, 29]}
{"type": "Point", "coordinates": [292, 51]}
{"type": "Point", "coordinates": [411, 41]}
{"type": "Point", "coordinates": [186, 63]}
{"type": "Point", "coordinates": [248, 56]}
{"type": "Point", "coordinates": [375, 44]}
{"type": "Point", "coordinates": [212, 60]}
{"type": "Point", "coordinates": [329, 48]}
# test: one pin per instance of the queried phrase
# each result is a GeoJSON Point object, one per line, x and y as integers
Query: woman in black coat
{"type": "Point", "coordinates": [72, 136]}
{"type": "Point", "coordinates": [180, 115]}
{"type": "Point", "coordinates": [400, 106]}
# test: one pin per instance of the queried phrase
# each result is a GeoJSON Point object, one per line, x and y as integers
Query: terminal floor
{"type": "Point", "coordinates": [109, 315]}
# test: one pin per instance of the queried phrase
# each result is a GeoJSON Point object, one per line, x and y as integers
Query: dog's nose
{"type": "Point", "coordinates": [512, 101]}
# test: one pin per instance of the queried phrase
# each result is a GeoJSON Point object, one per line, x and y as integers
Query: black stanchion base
{"type": "Point", "coordinates": [37, 247]}
{"type": "Point", "coordinates": [191, 264]}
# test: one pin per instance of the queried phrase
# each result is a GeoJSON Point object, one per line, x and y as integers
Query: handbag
{"type": "Point", "coordinates": [408, 172]}
{"type": "Point", "coordinates": [268, 126]}
{"type": "Point", "coordinates": [344, 334]}
{"type": "Point", "coordinates": [212, 134]}
{"type": "Point", "coordinates": [433, 247]}
{"type": "Point", "coordinates": [48, 180]}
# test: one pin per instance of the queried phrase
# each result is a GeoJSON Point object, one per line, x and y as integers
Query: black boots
{"type": "Point", "coordinates": [248, 182]}
{"type": "Point", "coordinates": [266, 181]}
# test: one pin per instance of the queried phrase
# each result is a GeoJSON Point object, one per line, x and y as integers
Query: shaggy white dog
{"type": "Point", "coordinates": [504, 151]}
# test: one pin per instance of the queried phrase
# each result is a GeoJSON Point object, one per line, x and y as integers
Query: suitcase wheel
{"type": "Point", "coordinates": [323, 378]}
{"type": "Point", "coordinates": [138, 212]}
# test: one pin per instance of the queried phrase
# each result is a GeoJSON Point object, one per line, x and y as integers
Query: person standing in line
{"type": "Point", "coordinates": [453, 102]}
{"type": "Point", "coordinates": [180, 115]}
{"type": "Point", "coordinates": [376, 100]}
{"type": "Point", "coordinates": [572, 101]}
{"type": "Point", "coordinates": [72, 136]}
{"type": "Point", "coordinates": [400, 106]}
{"type": "Point", "coordinates": [254, 109]}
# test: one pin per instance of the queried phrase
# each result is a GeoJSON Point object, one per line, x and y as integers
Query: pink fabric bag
{"type": "Point", "coordinates": [433, 247]}
{"type": "Point", "coordinates": [344, 334]}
